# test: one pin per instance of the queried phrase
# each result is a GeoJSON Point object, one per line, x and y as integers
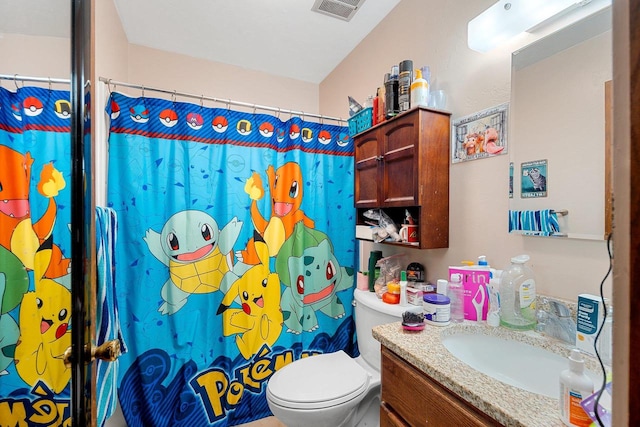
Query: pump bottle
{"type": "Point", "coordinates": [419, 91]}
{"type": "Point", "coordinates": [518, 295]}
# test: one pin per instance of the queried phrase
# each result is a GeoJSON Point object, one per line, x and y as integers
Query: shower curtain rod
{"type": "Point", "coordinates": [17, 77]}
{"type": "Point", "coordinates": [202, 98]}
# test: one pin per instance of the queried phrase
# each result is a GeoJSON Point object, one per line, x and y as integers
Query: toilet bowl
{"type": "Point", "coordinates": [320, 391]}
{"type": "Point", "coordinates": [333, 389]}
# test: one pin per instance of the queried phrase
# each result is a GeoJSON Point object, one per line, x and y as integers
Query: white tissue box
{"type": "Point", "coordinates": [589, 320]}
{"type": "Point", "coordinates": [364, 232]}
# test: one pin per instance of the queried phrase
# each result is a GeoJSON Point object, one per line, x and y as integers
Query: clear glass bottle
{"type": "Point", "coordinates": [455, 292]}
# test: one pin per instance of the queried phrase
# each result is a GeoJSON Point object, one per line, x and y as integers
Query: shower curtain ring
{"type": "Point", "coordinates": [174, 96]}
{"type": "Point", "coordinates": [109, 86]}
{"type": "Point", "coordinates": [142, 87]}
{"type": "Point", "coordinates": [49, 78]}
{"type": "Point", "coordinates": [254, 109]}
{"type": "Point", "coordinates": [303, 116]}
{"type": "Point", "coordinates": [229, 104]}
{"type": "Point", "coordinates": [202, 100]}
{"type": "Point", "coordinates": [15, 80]}
{"type": "Point", "coordinates": [278, 115]}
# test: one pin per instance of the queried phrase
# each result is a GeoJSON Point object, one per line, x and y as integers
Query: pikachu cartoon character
{"type": "Point", "coordinates": [259, 321]}
{"type": "Point", "coordinates": [45, 331]}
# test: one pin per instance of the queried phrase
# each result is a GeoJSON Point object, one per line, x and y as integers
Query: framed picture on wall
{"type": "Point", "coordinates": [534, 179]}
{"type": "Point", "coordinates": [480, 135]}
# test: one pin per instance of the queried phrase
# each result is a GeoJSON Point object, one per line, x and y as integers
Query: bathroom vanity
{"type": "Point", "coordinates": [424, 384]}
{"type": "Point", "coordinates": [412, 398]}
{"type": "Point", "coordinates": [403, 164]}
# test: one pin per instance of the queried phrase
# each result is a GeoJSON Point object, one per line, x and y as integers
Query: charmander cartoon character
{"type": "Point", "coordinates": [17, 231]}
{"type": "Point", "coordinates": [285, 185]}
{"type": "Point", "coordinates": [259, 321]}
{"type": "Point", "coordinates": [308, 267]}
{"type": "Point", "coordinates": [45, 334]}
{"type": "Point", "coordinates": [197, 253]}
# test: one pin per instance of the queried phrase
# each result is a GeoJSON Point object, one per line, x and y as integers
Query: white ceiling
{"type": "Point", "coordinates": [280, 37]}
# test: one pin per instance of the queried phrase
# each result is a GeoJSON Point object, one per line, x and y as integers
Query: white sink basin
{"type": "Point", "coordinates": [512, 362]}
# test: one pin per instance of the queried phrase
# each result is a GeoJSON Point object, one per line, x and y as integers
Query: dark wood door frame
{"type": "Point", "coordinates": [626, 209]}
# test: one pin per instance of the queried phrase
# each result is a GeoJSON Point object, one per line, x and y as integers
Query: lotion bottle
{"type": "Point", "coordinates": [419, 91]}
{"type": "Point", "coordinates": [575, 386]}
{"type": "Point", "coordinates": [403, 288]}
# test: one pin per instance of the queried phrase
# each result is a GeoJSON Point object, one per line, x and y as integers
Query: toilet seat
{"type": "Point", "coordinates": [331, 379]}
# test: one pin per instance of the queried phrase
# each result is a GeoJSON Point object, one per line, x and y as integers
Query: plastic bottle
{"type": "Point", "coordinates": [403, 288]}
{"type": "Point", "coordinates": [518, 295]}
{"type": "Point", "coordinates": [382, 110]}
{"type": "Point", "coordinates": [404, 85]}
{"type": "Point", "coordinates": [455, 292]}
{"type": "Point", "coordinates": [575, 386]}
{"type": "Point", "coordinates": [419, 91]}
{"type": "Point", "coordinates": [493, 288]}
{"type": "Point", "coordinates": [374, 271]}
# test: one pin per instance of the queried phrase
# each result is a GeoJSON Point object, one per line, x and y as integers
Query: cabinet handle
{"type": "Point", "coordinates": [380, 158]}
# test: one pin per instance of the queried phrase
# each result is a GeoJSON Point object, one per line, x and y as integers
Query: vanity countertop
{"type": "Point", "coordinates": [509, 405]}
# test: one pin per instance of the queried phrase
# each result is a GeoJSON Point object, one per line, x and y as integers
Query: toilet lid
{"type": "Point", "coordinates": [318, 382]}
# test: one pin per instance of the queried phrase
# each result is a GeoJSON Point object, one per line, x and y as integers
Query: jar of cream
{"type": "Point", "coordinates": [436, 309]}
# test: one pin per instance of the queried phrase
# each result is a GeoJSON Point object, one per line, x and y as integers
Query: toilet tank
{"type": "Point", "coordinates": [370, 311]}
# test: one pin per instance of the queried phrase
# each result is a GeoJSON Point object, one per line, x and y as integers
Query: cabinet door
{"type": "Point", "coordinates": [367, 159]}
{"type": "Point", "coordinates": [399, 162]}
{"type": "Point", "coordinates": [421, 401]}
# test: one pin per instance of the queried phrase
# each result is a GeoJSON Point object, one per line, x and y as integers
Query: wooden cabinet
{"type": "Point", "coordinates": [411, 398]}
{"type": "Point", "coordinates": [403, 163]}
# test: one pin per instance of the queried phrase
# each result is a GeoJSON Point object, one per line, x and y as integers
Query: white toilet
{"type": "Point", "coordinates": [334, 390]}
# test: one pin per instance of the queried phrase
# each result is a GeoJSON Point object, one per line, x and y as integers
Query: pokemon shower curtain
{"type": "Point", "coordinates": [235, 255]}
{"type": "Point", "coordinates": [35, 298]}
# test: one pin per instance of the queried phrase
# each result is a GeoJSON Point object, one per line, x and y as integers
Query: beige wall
{"type": "Point", "coordinates": [35, 57]}
{"type": "Point", "coordinates": [183, 73]}
{"type": "Point", "coordinates": [434, 33]}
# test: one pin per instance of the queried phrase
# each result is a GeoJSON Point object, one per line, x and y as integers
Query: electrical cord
{"type": "Point", "coordinates": [604, 304]}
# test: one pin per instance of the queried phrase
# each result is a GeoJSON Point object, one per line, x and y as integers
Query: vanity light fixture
{"type": "Point", "coordinates": [508, 18]}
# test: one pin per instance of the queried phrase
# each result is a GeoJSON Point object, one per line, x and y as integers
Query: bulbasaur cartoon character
{"type": "Point", "coordinates": [199, 255]}
{"type": "Point", "coordinates": [14, 282]}
{"type": "Point", "coordinates": [307, 265]}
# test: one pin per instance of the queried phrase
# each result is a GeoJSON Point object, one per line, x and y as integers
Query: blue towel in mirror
{"type": "Point", "coordinates": [534, 222]}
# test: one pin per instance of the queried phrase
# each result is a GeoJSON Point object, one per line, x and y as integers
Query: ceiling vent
{"type": "Point", "coordinates": [340, 9]}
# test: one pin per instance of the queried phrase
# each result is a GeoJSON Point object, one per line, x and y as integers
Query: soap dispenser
{"type": "Point", "coordinates": [518, 295]}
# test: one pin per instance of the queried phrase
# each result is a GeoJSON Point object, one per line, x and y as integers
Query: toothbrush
{"type": "Point", "coordinates": [479, 304]}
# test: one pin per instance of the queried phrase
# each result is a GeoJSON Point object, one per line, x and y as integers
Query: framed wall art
{"type": "Point", "coordinates": [480, 135]}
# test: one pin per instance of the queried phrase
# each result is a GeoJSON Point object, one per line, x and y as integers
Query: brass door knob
{"type": "Point", "coordinates": [108, 351]}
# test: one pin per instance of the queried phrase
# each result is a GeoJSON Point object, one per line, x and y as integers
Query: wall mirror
{"type": "Point", "coordinates": [559, 132]}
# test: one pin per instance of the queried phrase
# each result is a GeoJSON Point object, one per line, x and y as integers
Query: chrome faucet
{"type": "Point", "coordinates": [557, 322]}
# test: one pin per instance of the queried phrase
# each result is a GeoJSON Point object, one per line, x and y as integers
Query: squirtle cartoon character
{"type": "Point", "coordinates": [45, 332]}
{"type": "Point", "coordinates": [259, 321]}
{"type": "Point", "coordinates": [197, 253]}
{"type": "Point", "coordinates": [307, 265]}
{"type": "Point", "coordinates": [285, 186]}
